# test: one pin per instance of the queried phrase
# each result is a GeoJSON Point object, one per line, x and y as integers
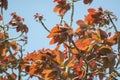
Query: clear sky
{"type": "Point", "coordinates": [37, 35]}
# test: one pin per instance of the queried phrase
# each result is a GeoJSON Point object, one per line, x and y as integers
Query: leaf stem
{"type": "Point", "coordinates": [112, 23]}
{"type": "Point", "coordinates": [44, 26]}
{"type": "Point", "coordinates": [72, 13]}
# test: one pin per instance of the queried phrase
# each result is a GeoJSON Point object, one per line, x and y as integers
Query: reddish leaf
{"type": "Point", "coordinates": [88, 1]}
{"type": "Point", "coordinates": [82, 24]}
{"type": "Point", "coordinates": [81, 74]}
{"type": "Point", "coordinates": [62, 7]}
{"type": "Point", "coordinates": [91, 10]}
{"type": "Point", "coordinates": [93, 64]}
{"type": "Point", "coordinates": [1, 18]}
{"type": "Point", "coordinates": [14, 76]}
{"type": "Point", "coordinates": [59, 34]}
{"type": "Point", "coordinates": [4, 4]}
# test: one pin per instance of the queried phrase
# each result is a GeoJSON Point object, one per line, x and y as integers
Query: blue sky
{"type": "Point", "coordinates": [37, 35]}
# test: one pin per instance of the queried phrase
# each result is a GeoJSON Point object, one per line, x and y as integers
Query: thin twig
{"type": "Point", "coordinates": [12, 54]}
{"type": "Point", "coordinates": [75, 46]}
{"type": "Point", "coordinates": [61, 20]}
{"type": "Point", "coordinates": [118, 38]}
{"type": "Point", "coordinates": [72, 13]}
{"type": "Point", "coordinates": [112, 23]}
{"type": "Point", "coordinates": [44, 26]}
{"type": "Point", "coordinates": [11, 38]}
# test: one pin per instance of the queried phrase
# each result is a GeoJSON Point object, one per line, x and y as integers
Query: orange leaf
{"type": "Point", "coordinates": [4, 50]}
{"type": "Point", "coordinates": [32, 71]}
{"type": "Point", "coordinates": [50, 74]}
{"type": "Point", "coordinates": [84, 44]}
{"type": "Point", "coordinates": [112, 40]}
{"type": "Point", "coordinates": [54, 40]}
{"type": "Point", "coordinates": [46, 71]}
{"type": "Point", "coordinates": [14, 45]}
{"type": "Point", "coordinates": [95, 36]}
{"type": "Point", "coordinates": [54, 31]}
{"type": "Point", "coordinates": [79, 31]}
{"type": "Point", "coordinates": [59, 57]}
{"type": "Point", "coordinates": [1, 36]}
{"type": "Point", "coordinates": [70, 62]}
{"type": "Point", "coordinates": [57, 8]}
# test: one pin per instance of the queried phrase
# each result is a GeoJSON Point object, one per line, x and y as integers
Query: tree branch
{"type": "Point", "coordinates": [72, 13]}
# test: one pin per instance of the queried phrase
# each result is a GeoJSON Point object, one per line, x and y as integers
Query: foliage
{"type": "Point", "coordinates": [88, 52]}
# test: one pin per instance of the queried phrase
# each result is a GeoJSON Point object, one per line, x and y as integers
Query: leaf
{"type": "Point", "coordinates": [104, 50]}
{"type": "Point", "coordinates": [81, 74]}
{"type": "Point", "coordinates": [111, 56]}
{"type": "Point", "coordinates": [14, 76]}
{"type": "Point", "coordinates": [60, 33]}
{"type": "Point", "coordinates": [107, 63]}
{"type": "Point", "coordinates": [22, 27]}
{"type": "Point", "coordinates": [88, 1]}
{"type": "Point", "coordinates": [1, 35]}
{"type": "Point", "coordinates": [93, 64]}
{"type": "Point", "coordinates": [70, 62]}
{"type": "Point", "coordinates": [89, 19]}
{"type": "Point", "coordinates": [46, 71]}
{"type": "Point", "coordinates": [84, 44]}
{"type": "Point", "coordinates": [14, 45]}
{"type": "Point", "coordinates": [4, 4]}
{"type": "Point", "coordinates": [54, 40]}
{"type": "Point", "coordinates": [1, 18]}
{"type": "Point", "coordinates": [82, 24]}
{"type": "Point", "coordinates": [103, 34]}
{"type": "Point", "coordinates": [58, 57]}
{"type": "Point", "coordinates": [54, 31]}
{"type": "Point", "coordinates": [50, 74]}
{"type": "Point", "coordinates": [81, 62]}
{"type": "Point", "coordinates": [57, 8]}
{"type": "Point", "coordinates": [95, 36]}
{"type": "Point", "coordinates": [91, 10]}
{"type": "Point", "coordinates": [62, 7]}
{"type": "Point", "coordinates": [79, 31]}
{"type": "Point", "coordinates": [4, 51]}
{"type": "Point", "coordinates": [113, 40]}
